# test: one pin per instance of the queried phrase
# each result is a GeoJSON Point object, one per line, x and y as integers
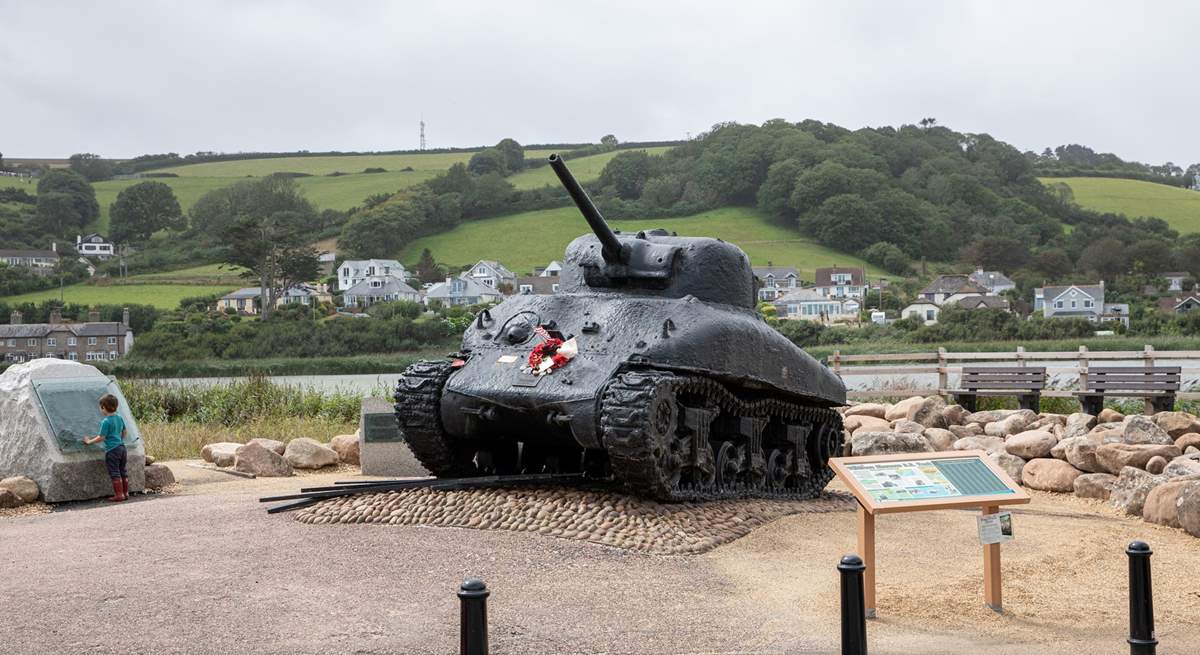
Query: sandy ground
{"type": "Point", "coordinates": [206, 570]}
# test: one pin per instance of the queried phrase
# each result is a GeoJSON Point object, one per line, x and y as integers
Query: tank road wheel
{"type": "Point", "coordinates": [729, 465]}
{"type": "Point", "coordinates": [779, 467]}
{"type": "Point", "coordinates": [639, 420]}
{"type": "Point", "coordinates": [418, 412]}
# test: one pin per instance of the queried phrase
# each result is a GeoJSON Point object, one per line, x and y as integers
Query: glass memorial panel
{"type": "Point", "coordinates": [71, 406]}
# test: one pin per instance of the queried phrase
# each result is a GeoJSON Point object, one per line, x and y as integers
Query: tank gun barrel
{"type": "Point", "coordinates": [612, 250]}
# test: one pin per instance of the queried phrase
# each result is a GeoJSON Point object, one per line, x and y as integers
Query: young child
{"type": "Point", "coordinates": [112, 432]}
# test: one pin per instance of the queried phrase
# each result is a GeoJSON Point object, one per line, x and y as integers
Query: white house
{"type": "Point", "coordinates": [553, 269]}
{"type": "Point", "coordinates": [775, 281]}
{"type": "Point", "coordinates": [1175, 280]}
{"type": "Point", "coordinates": [925, 310]}
{"type": "Point", "coordinates": [378, 289]}
{"type": "Point", "coordinates": [353, 271]}
{"type": "Point", "coordinates": [462, 291]}
{"type": "Point", "coordinates": [994, 282]}
{"type": "Point", "coordinates": [812, 305]}
{"type": "Point", "coordinates": [247, 300]}
{"type": "Point", "coordinates": [950, 288]}
{"type": "Point", "coordinates": [492, 274]}
{"type": "Point", "coordinates": [94, 245]}
{"type": "Point", "coordinates": [304, 294]}
{"type": "Point", "coordinates": [1085, 301]}
{"type": "Point", "coordinates": [841, 282]}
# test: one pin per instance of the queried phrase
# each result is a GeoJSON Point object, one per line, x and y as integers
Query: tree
{"type": "Point", "coordinates": [57, 213]}
{"type": "Point", "coordinates": [514, 155]}
{"type": "Point", "coordinates": [489, 195]}
{"type": "Point", "coordinates": [83, 196]}
{"type": "Point", "coordinates": [627, 173]}
{"type": "Point", "coordinates": [427, 269]}
{"type": "Point", "coordinates": [888, 257]}
{"type": "Point", "coordinates": [608, 142]}
{"type": "Point", "coordinates": [267, 234]}
{"type": "Point", "coordinates": [928, 122]}
{"type": "Point", "coordinates": [1104, 256]}
{"type": "Point", "coordinates": [93, 167]}
{"type": "Point", "coordinates": [846, 222]}
{"type": "Point", "coordinates": [1052, 263]}
{"type": "Point", "coordinates": [775, 193]}
{"type": "Point", "coordinates": [143, 209]}
{"type": "Point", "coordinates": [487, 161]}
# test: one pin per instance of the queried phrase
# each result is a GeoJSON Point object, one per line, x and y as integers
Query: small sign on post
{"type": "Point", "coordinates": [914, 482]}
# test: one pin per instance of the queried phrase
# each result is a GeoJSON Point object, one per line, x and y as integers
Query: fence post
{"type": "Point", "coordinates": [1083, 366]}
{"type": "Point", "coordinates": [854, 611]}
{"type": "Point", "coordinates": [943, 383]}
{"type": "Point", "coordinates": [1021, 356]}
{"type": "Point", "coordinates": [1148, 361]}
{"type": "Point", "coordinates": [837, 361]}
{"type": "Point", "coordinates": [1141, 600]}
{"type": "Point", "coordinates": [472, 624]}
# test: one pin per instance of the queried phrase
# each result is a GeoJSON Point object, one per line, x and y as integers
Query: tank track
{"type": "Point", "coordinates": [418, 399]}
{"type": "Point", "coordinates": [630, 424]}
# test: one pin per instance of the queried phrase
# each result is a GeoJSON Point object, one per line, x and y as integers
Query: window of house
{"type": "Point", "coordinates": [92, 340]}
{"type": "Point", "coordinates": [71, 341]}
{"type": "Point", "coordinates": [526, 288]}
{"type": "Point", "coordinates": [31, 342]}
{"type": "Point", "coordinates": [370, 270]}
{"type": "Point", "coordinates": [346, 271]}
{"type": "Point", "coordinates": [1073, 304]}
{"type": "Point", "coordinates": [112, 341]}
{"type": "Point", "coordinates": [930, 314]}
{"type": "Point", "coordinates": [112, 354]}
{"type": "Point", "coordinates": [1058, 304]}
{"type": "Point", "coordinates": [12, 343]}
{"type": "Point", "coordinates": [73, 356]}
{"type": "Point", "coordinates": [1087, 303]}
{"type": "Point", "coordinates": [51, 342]}
{"type": "Point", "coordinates": [375, 284]}
{"type": "Point", "coordinates": [554, 288]}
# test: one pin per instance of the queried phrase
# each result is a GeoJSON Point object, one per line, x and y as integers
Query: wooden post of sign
{"type": "Point", "coordinates": [866, 550]}
{"type": "Point", "coordinates": [991, 569]}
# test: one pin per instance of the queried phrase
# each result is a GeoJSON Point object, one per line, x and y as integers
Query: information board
{"type": "Point", "coordinates": [899, 482]}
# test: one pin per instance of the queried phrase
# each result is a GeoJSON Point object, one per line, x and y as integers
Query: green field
{"type": "Point", "coordinates": [523, 241]}
{"type": "Point", "coordinates": [208, 274]}
{"type": "Point", "coordinates": [163, 296]}
{"type": "Point", "coordinates": [431, 161]}
{"type": "Point", "coordinates": [585, 169]}
{"type": "Point", "coordinates": [1134, 198]}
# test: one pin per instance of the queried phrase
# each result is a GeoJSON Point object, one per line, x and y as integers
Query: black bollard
{"type": "Point", "coordinates": [472, 629]}
{"type": "Point", "coordinates": [854, 611]}
{"type": "Point", "coordinates": [1141, 600]}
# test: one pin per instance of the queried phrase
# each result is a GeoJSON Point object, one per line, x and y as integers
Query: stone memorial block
{"type": "Point", "coordinates": [382, 450]}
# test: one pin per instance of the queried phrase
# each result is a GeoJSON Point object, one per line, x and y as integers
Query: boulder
{"type": "Point", "coordinates": [1078, 425]}
{"type": "Point", "coordinates": [1110, 416]}
{"type": "Point", "coordinates": [1115, 435]}
{"type": "Point", "coordinates": [1177, 424]}
{"type": "Point", "coordinates": [868, 423]}
{"type": "Point", "coordinates": [23, 487]}
{"type": "Point", "coordinates": [989, 416]}
{"type": "Point", "coordinates": [1131, 488]}
{"type": "Point", "coordinates": [1156, 465]}
{"type": "Point", "coordinates": [220, 453]}
{"type": "Point", "coordinates": [904, 409]}
{"type": "Point", "coordinates": [9, 500]}
{"type": "Point", "coordinates": [953, 414]}
{"type": "Point", "coordinates": [875, 410]}
{"type": "Point", "coordinates": [940, 439]}
{"type": "Point", "coordinates": [1187, 508]}
{"type": "Point", "coordinates": [305, 453]}
{"type": "Point", "coordinates": [149, 460]}
{"type": "Point", "coordinates": [1011, 424]}
{"type": "Point", "coordinates": [1031, 444]}
{"type": "Point", "coordinates": [1141, 429]}
{"type": "Point", "coordinates": [887, 443]}
{"type": "Point", "coordinates": [261, 461]}
{"type": "Point", "coordinates": [346, 446]}
{"type": "Point", "coordinates": [907, 426]}
{"type": "Point", "coordinates": [1050, 475]}
{"type": "Point", "coordinates": [1160, 506]}
{"type": "Point", "coordinates": [929, 413]}
{"type": "Point", "coordinates": [1113, 457]}
{"type": "Point", "coordinates": [270, 444]}
{"type": "Point", "coordinates": [979, 443]}
{"type": "Point", "coordinates": [1094, 485]}
{"type": "Point", "coordinates": [1011, 464]}
{"type": "Point", "coordinates": [1188, 464]}
{"type": "Point", "coordinates": [1189, 440]}
{"type": "Point", "coordinates": [158, 476]}
{"type": "Point", "coordinates": [969, 430]}
{"type": "Point", "coordinates": [1080, 452]}
{"type": "Point", "coordinates": [1190, 450]}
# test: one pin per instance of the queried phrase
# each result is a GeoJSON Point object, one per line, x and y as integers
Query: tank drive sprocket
{"type": "Point", "coordinates": [418, 399]}
{"type": "Point", "coordinates": [686, 437]}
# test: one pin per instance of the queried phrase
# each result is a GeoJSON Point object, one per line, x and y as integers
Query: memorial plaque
{"type": "Point", "coordinates": [378, 422]}
{"type": "Point", "coordinates": [72, 408]}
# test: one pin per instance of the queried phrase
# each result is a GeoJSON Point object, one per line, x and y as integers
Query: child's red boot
{"type": "Point", "coordinates": [125, 488]}
{"type": "Point", "coordinates": [118, 491]}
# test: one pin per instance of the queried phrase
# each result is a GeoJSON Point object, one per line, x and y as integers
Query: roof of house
{"type": "Point", "coordinates": [1175, 274]}
{"type": "Point", "coordinates": [472, 289]}
{"type": "Point", "coordinates": [379, 263]}
{"type": "Point", "coordinates": [983, 302]}
{"type": "Point", "coordinates": [302, 290]}
{"type": "Point", "coordinates": [1094, 291]}
{"type": "Point", "coordinates": [803, 295]}
{"type": "Point", "coordinates": [825, 275]}
{"type": "Point", "coordinates": [952, 284]}
{"type": "Point", "coordinates": [243, 294]}
{"type": "Point", "coordinates": [774, 271]}
{"type": "Point", "coordinates": [991, 279]}
{"type": "Point", "coordinates": [28, 253]}
{"type": "Point", "coordinates": [94, 238]}
{"type": "Point", "coordinates": [496, 266]}
{"type": "Point", "coordinates": [38, 330]}
{"type": "Point", "coordinates": [390, 285]}
{"type": "Point", "coordinates": [541, 284]}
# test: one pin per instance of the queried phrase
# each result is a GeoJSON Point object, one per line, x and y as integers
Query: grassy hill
{"type": "Point", "coordinates": [585, 169]}
{"type": "Point", "coordinates": [163, 296]}
{"type": "Point", "coordinates": [1134, 198]}
{"type": "Point", "coordinates": [523, 241]}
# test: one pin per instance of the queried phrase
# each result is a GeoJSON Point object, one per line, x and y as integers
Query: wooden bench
{"type": "Point", "coordinates": [1156, 384]}
{"type": "Point", "coordinates": [1024, 382]}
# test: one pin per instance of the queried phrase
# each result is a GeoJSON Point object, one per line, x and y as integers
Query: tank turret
{"type": "Point", "coordinates": [671, 383]}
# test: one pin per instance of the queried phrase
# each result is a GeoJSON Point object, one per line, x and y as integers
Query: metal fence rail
{"type": "Point", "coordinates": [943, 364]}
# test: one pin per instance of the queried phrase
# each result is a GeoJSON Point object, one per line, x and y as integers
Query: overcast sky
{"type": "Point", "coordinates": [127, 78]}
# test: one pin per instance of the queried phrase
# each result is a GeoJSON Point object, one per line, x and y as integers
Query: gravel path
{"type": "Point", "coordinates": [205, 570]}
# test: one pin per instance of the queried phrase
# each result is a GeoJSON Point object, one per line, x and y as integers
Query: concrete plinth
{"type": "Point", "coordinates": [43, 443]}
{"type": "Point", "coordinates": [381, 446]}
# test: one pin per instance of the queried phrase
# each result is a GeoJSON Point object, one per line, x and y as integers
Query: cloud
{"type": "Point", "coordinates": [123, 79]}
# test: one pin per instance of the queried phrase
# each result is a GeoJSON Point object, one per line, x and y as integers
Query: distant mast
{"type": "Point", "coordinates": [422, 134]}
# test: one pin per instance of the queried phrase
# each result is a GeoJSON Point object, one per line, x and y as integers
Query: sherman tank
{"type": "Point", "coordinates": [650, 366]}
